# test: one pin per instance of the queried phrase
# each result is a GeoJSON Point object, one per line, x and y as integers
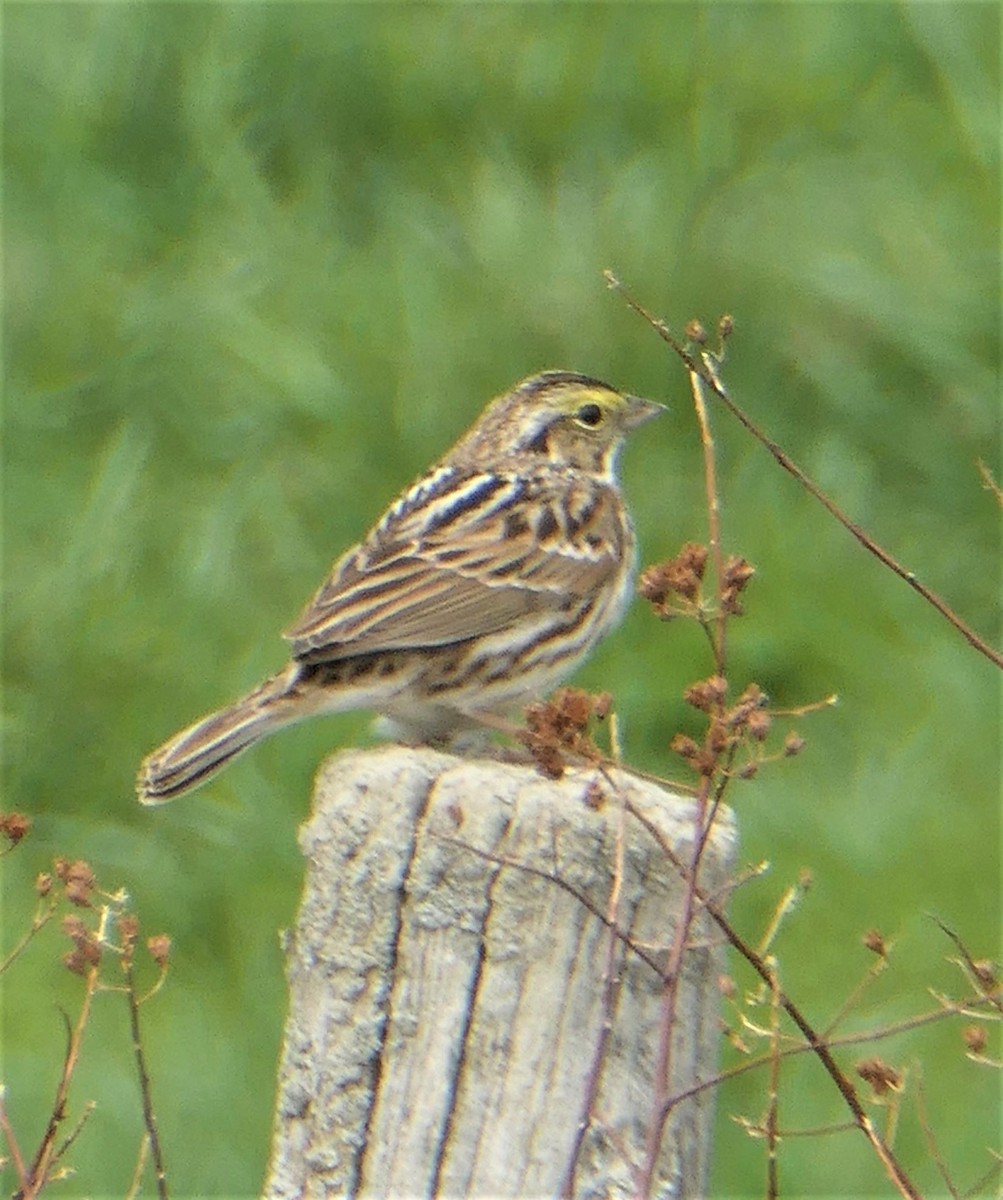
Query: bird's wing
{"type": "Point", "coordinates": [459, 557]}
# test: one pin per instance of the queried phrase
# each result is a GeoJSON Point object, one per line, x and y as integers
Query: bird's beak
{"type": "Point", "coordinates": [640, 410]}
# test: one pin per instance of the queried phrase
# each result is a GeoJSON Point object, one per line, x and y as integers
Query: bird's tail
{"type": "Point", "coordinates": [198, 752]}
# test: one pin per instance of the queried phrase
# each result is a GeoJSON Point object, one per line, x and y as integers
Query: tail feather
{"type": "Point", "coordinates": [195, 754]}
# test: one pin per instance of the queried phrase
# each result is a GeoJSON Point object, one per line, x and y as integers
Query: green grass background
{"type": "Point", "coordinates": [263, 263]}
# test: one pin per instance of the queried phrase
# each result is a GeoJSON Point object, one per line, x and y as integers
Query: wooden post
{"type": "Point", "coordinates": [451, 1005]}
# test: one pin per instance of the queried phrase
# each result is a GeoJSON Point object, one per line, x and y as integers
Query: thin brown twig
{"type": "Point", "coordinates": [979, 1186]}
{"type": "Point", "coordinates": [719, 642]}
{"type": "Point", "coordinates": [706, 808]}
{"type": "Point", "coordinates": [814, 1043]}
{"type": "Point", "coordinates": [863, 1038]}
{"type": "Point", "coordinates": [975, 974]}
{"type": "Point", "coordinates": [504, 860]}
{"type": "Point", "coordinates": [989, 482]}
{"type": "Point", "coordinates": [137, 1172]}
{"type": "Point", "coordinates": [149, 1118]}
{"type": "Point", "coordinates": [896, 1173]}
{"type": "Point", "coordinates": [38, 1173]}
{"type": "Point", "coordinates": [43, 915]}
{"type": "Point", "coordinates": [12, 1144]}
{"type": "Point", "coordinates": [74, 1133]}
{"type": "Point", "coordinates": [709, 377]}
{"type": "Point", "coordinates": [670, 989]}
{"type": "Point", "coordinates": [784, 906]}
{"type": "Point", "coordinates": [873, 971]}
{"type": "Point", "coordinates": [785, 1133]}
{"type": "Point", "coordinates": [772, 1139]}
{"type": "Point", "coordinates": [930, 1138]}
{"type": "Point", "coordinates": [804, 710]}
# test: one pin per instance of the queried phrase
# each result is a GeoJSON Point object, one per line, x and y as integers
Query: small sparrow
{"type": "Point", "coordinates": [482, 587]}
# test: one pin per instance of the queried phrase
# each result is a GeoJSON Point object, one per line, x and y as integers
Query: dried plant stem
{"type": "Point", "coordinates": [772, 1138]}
{"type": "Point", "coordinates": [41, 918]}
{"type": "Point", "coordinates": [713, 517]}
{"type": "Point", "coordinates": [959, 1008]}
{"type": "Point", "coordinates": [75, 1132]}
{"type": "Point", "coordinates": [662, 1102]}
{"type": "Point", "coordinates": [140, 1167]}
{"type": "Point", "coordinates": [971, 967]}
{"type": "Point", "coordinates": [504, 860]}
{"type": "Point", "coordinates": [896, 1173]}
{"type": "Point", "coordinates": [931, 1141]}
{"type": "Point", "coordinates": [12, 1144]}
{"type": "Point", "coordinates": [149, 1119]}
{"type": "Point", "coordinates": [989, 482]}
{"type": "Point", "coordinates": [38, 1173]}
{"type": "Point", "coordinates": [982, 1183]}
{"type": "Point", "coordinates": [709, 377]}
{"type": "Point", "coordinates": [706, 808]}
{"type": "Point", "coordinates": [851, 1001]}
{"type": "Point", "coordinates": [788, 901]}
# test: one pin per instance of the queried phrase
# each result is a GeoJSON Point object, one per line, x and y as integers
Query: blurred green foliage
{"type": "Point", "coordinates": [263, 263]}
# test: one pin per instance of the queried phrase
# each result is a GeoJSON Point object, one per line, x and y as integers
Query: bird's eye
{"type": "Point", "coordinates": [589, 415]}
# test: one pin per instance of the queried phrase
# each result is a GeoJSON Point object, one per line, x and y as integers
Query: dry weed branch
{"type": "Point", "coordinates": [702, 365]}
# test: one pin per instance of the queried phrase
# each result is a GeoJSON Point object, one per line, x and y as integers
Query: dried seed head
{"type": "Point", "coordinates": [758, 725]}
{"type": "Point", "coordinates": [753, 696]}
{"type": "Point", "coordinates": [749, 702]}
{"type": "Point", "coordinates": [882, 1077]}
{"type": "Point", "coordinates": [695, 332]}
{"type": "Point", "coordinates": [74, 926]}
{"type": "Point", "coordinates": [737, 572]}
{"type": "Point", "coordinates": [719, 736]}
{"type": "Point", "coordinates": [680, 576]}
{"type": "Point", "coordinates": [985, 973]}
{"type": "Point", "coordinates": [78, 880]}
{"type": "Point", "coordinates": [574, 707]}
{"type": "Point", "coordinates": [653, 583]}
{"type": "Point", "coordinates": [684, 746]}
{"type": "Point", "coordinates": [693, 556]}
{"type": "Point", "coordinates": [86, 950]}
{"type": "Point", "coordinates": [707, 693]}
{"type": "Point", "coordinates": [558, 726]}
{"type": "Point", "coordinates": [686, 570]}
{"type": "Point", "coordinates": [975, 1038]}
{"type": "Point", "coordinates": [874, 940]}
{"type": "Point", "coordinates": [14, 826]}
{"type": "Point", "coordinates": [793, 744]}
{"type": "Point", "coordinates": [159, 947]}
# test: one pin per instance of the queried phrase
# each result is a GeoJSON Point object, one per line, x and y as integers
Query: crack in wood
{"type": "Point", "coordinates": [358, 1171]}
{"type": "Point", "coordinates": [442, 1146]}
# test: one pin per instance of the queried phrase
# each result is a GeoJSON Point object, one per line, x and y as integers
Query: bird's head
{"type": "Point", "coordinates": [562, 417]}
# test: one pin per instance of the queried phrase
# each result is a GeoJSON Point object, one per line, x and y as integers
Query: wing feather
{"type": "Point", "coordinates": [448, 563]}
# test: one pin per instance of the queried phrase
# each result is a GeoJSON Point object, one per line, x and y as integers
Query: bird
{"type": "Point", "coordinates": [483, 585]}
